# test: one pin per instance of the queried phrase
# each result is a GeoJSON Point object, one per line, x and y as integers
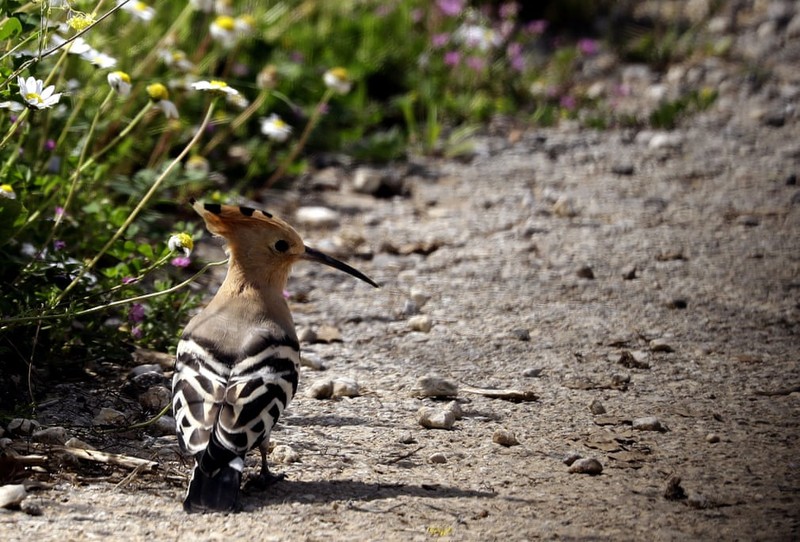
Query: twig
{"type": "Point", "coordinates": [119, 460]}
{"type": "Point", "coordinates": [508, 395]}
{"type": "Point", "coordinates": [403, 456]}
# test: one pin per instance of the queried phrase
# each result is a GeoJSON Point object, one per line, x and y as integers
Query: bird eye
{"type": "Point", "coordinates": [281, 246]}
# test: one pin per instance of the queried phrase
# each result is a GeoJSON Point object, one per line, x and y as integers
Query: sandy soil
{"type": "Point", "coordinates": [692, 317]}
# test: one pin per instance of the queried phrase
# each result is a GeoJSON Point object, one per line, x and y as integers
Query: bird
{"type": "Point", "coordinates": [237, 361]}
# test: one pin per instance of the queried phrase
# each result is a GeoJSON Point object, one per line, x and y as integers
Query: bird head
{"type": "Point", "coordinates": [259, 241]}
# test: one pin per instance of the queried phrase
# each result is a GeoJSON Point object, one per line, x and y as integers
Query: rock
{"type": "Point", "coordinates": [164, 426]}
{"type": "Point", "coordinates": [155, 398]}
{"type": "Point", "coordinates": [409, 308]}
{"type": "Point", "coordinates": [344, 387]}
{"type": "Point", "coordinates": [407, 438]}
{"type": "Point", "coordinates": [51, 435]}
{"type": "Point", "coordinates": [30, 507]}
{"type": "Point", "coordinates": [774, 118]}
{"type": "Point", "coordinates": [588, 465]}
{"type": "Point", "coordinates": [533, 372]}
{"type": "Point", "coordinates": [571, 458]}
{"type": "Point", "coordinates": [666, 140]}
{"type": "Point", "coordinates": [367, 180]}
{"type": "Point", "coordinates": [312, 360]}
{"type": "Point", "coordinates": [75, 442]}
{"type": "Point", "coordinates": [419, 296]}
{"type": "Point", "coordinates": [660, 345]}
{"type": "Point", "coordinates": [649, 423]}
{"type": "Point", "coordinates": [306, 335]}
{"type": "Point", "coordinates": [623, 168]}
{"type": "Point", "coordinates": [321, 389]}
{"type": "Point", "coordinates": [712, 438]}
{"type": "Point", "coordinates": [109, 416]}
{"type": "Point", "coordinates": [22, 427]}
{"type": "Point", "coordinates": [585, 272]}
{"type": "Point", "coordinates": [421, 322]}
{"type": "Point", "coordinates": [317, 217]}
{"type": "Point", "coordinates": [629, 273]}
{"type": "Point", "coordinates": [145, 380]}
{"type": "Point", "coordinates": [674, 491]}
{"type": "Point", "coordinates": [12, 495]}
{"type": "Point", "coordinates": [437, 458]}
{"type": "Point", "coordinates": [283, 453]}
{"type": "Point", "coordinates": [328, 334]}
{"type": "Point", "coordinates": [626, 358]}
{"type": "Point", "coordinates": [431, 418]}
{"type": "Point", "coordinates": [504, 437]}
{"type": "Point", "coordinates": [564, 207]}
{"type": "Point", "coordinates": [455, 408]}
{"type": "Point", "coordinates": [434, 386]}
{"type": "Point", "coordinates": [521, 334]}
{"type": "Point", "coordinates": [597, 408]}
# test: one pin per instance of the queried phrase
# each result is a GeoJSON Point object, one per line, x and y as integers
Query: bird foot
{"type": "Point", "coordinates": [263, 481]}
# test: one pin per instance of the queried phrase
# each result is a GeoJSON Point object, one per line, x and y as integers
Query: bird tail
{"type": "Point", "coordinates": [214, 493]}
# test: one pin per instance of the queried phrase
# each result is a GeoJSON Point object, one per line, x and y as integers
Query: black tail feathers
{"type": "Point", "coordinates": [218, 493]}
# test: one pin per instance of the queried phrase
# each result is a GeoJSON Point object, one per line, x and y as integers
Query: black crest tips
{"type": "Point", "coordinates": [266, 214]}
{"type": "Point", "coordinates": [247, 211]}
{"type": "Point", "coordinates": [215, 208]}
{"type": "Point", "coordinates": [192, 201]}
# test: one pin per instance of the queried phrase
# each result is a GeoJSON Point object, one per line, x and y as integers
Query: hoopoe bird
{"type": "Point", "coordinates": [238, 360]}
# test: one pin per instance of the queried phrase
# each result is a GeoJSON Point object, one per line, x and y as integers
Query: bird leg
{"type": "Point", "coordinates": [265, 478]}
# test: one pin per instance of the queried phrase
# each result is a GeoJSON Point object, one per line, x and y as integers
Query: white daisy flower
{"type": "Point", "coordinates": [176, 59]}
{"type": "Point", "coordinates": [237, 100]}
{"type": "Point", "coordinates": [35, 95]}
{"type": "Point", "coordinates": [140, 10]}
{"type": "Point", "coordinates": [14, 107]}
{"type": "Point", "coordinates": [338, 79]}
{"type": "Point", "coordinates": [215, 86]}
{"type": "Point", "coordinates": [78, 46]}
{"type": "Point", "coordinates": [120, 82]}
{"type": "Point", "coordinates": [223, 29]}
{"type": "Point", "coordinates": [101, 60]}
{"type": "Point", "coordinates": [181, 241]}
{"type": "Point", "coordinates": [275, 128]}
{"type": "Point", "coordinates": [203, 5]}
{"type": "Point", "coordinates": [160, 96]}
{"type": "Point", "coordinates": [169, 109]}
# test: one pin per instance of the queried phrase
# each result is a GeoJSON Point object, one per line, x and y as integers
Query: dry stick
{"type": "Point", "coordinates": [140, 206]}
{"type": "Point", "coordinates": [508, 395]}
{"type": "Point", "coordinates": [109, 458]}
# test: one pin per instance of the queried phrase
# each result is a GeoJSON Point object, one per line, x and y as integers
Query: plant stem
{"type": "Point", "coordinates": [302, 141]}
{"type": "Point", "coordinates": [222, 135]}
{"type": "Point", "coordinates": [145, 199]}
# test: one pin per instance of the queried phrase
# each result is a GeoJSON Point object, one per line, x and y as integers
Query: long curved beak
{"type": "Point", "coordinates": [314, 255]}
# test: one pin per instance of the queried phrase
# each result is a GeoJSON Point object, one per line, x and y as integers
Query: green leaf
{"type": "Point", "coordinates": [9, 28]}
{"type": "Point", "coordinates": [146, 250]}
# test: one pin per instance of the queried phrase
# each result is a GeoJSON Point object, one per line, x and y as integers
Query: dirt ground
{"type": "Point", "coordinates": [692, 317]}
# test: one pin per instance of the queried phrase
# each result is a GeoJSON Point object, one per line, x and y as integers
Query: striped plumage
{"type": "Point", "coordinates": [238, 360]}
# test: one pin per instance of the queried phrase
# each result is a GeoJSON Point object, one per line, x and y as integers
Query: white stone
{"type": "Point", "coordinates": [345, 387]}
{"type": "Point", "coordinates": [434, 386]}
{"type": "Point", "coordinates": [420, 322]}
{"type": "Point", "coordinates": [283, 453]}
{"type": "Point", "coordinates": [366, 180]}
{"type": "Point", "coordinates": [321, 389]}
{"type": "Point", "coordinates": [317, 217]}
{"type": "Point", "coordinates": [431, 418]}
{"type": "Point", "coordinates": [50, 435]}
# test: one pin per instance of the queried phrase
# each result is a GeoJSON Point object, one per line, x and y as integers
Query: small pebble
{"type": "Point", "coordinates": [345, 387]}
{"type": "Point", "coordinates": [748, 220]}
{"type": "Point", "coordinates": [312, 360]}
{"type": "Point", "coordinates": [434, 386]}
{"type": "Point", "coordinates": [421, 322]}
{"type": "Point", "coordinates": [164, 426]}
{"type": "Point", "coordinates": [410, 308]}
{"type": "Point", "coordinates": [317, 217]}
{"type": "Point", "coordinates": [597, 408]}
{"type": "Point", "coordinates": [30, 507]}
{"type": "Point", "coordinates": [661, 345]}
{"type": "Point", "coordinates": [407, 438]}
{"type": "Point", "coordinates": [455, 408]}
{"type": "Point", "coordinates": [629, 273]}
{"type": "Point", "coordinates": [674, 491]}
{"type": "Point", "coordinates": [533, 372]}
{"type": "Point", "coordinates": [367, 180]}
{"type": "Point", "coordinates": [109, 416]}
{"type": "Point", "coordinates": [435, 418]}
{"type": "Point", "coordinates": [328, 334]}
{"type": "Point", "coordinates": [622, 168]}
{"type": "Point", "coordinates": [504, 437]}
{"type": "Point", "coordinates": [437, 458]}
{"type": "Point", "coordinates": [321, 389]}
{"type": "Point", "coordinates": [11, 495]}
{"type": "Point", "coordinates": [649, 423]}
{"type": "Point", "coordinates": [587, 465]}
{"type": "Point", "coordinates": [571, 458]}
{"type": "Point", "coordinates": [155, 398]}
{"type": "Point", "coordinates": [306, 335]}
{"type": "Point", "coordinates": [585, 272]}
{"type": "Point", "coordinates": [283, 453]}
{"type": "Point", "coordinates": [419, 296]}
{"type": "Point", "coordinates": [51, 435]}
{"type": "Point", "coordinates": [521, 334]}
{"type": "Point", "coordinates": [564, 207]}
{"type": "Point", "coordinates": [712, 438]}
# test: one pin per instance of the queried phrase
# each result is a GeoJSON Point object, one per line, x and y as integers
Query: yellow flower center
{"type": "Point", "coordinates": [33, 97]}
{"type": "Point", "coordinates": [218, 84]}
{"type": "Point", "coordinates": [123, 76]}
{"type": "Point", "coordinates": [140, 6]}
{"type": "Point", "coordinates": [279, 124]}
{"type": "Point", "coordinates": [225, 22]}
{"type": "Point", "coordinates": [157, 92]}
{"type": "Point", "coordinates": [79, 21]}
{"type": "Point", "coordinates": [6, 188]}
{"type": "Point", "coordinates": [339, 73]}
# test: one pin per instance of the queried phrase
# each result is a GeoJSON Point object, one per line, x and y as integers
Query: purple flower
{"type": "Point", "coordinates": [537, 27]}
{"type": "Point", "coordinates": [588, 46]}
{"type": "Point", "coordinates": [136, 313]}
{"type": "Point", "coordinates": [129, 280]}
{"type": "Point", "coordinates": [49, 145]}
{"type": "Point", "coordinates": [59, 245]}
{"type": "Point", "coordinates": [59, 212]}
{"type": "Point", "coordinates": [451, 8]}
{"type": "Point", "coordinates": [452, 58]}
{"type": "Point", "coordinates": [568, 102]}
{"type": "Point", "coordinates": [476, 63]}
{"type": "Point", "coordinates": [136, 332]}
{"type": "Point", "coordinates": [509, 10]}
{"type": "Point", "coordinates": [180, 261]}
{"type": "Point", "coordinates": [440, 40]}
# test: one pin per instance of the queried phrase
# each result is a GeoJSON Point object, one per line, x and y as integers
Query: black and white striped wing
{"type": "Point", "coordinates": [198, 392]}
